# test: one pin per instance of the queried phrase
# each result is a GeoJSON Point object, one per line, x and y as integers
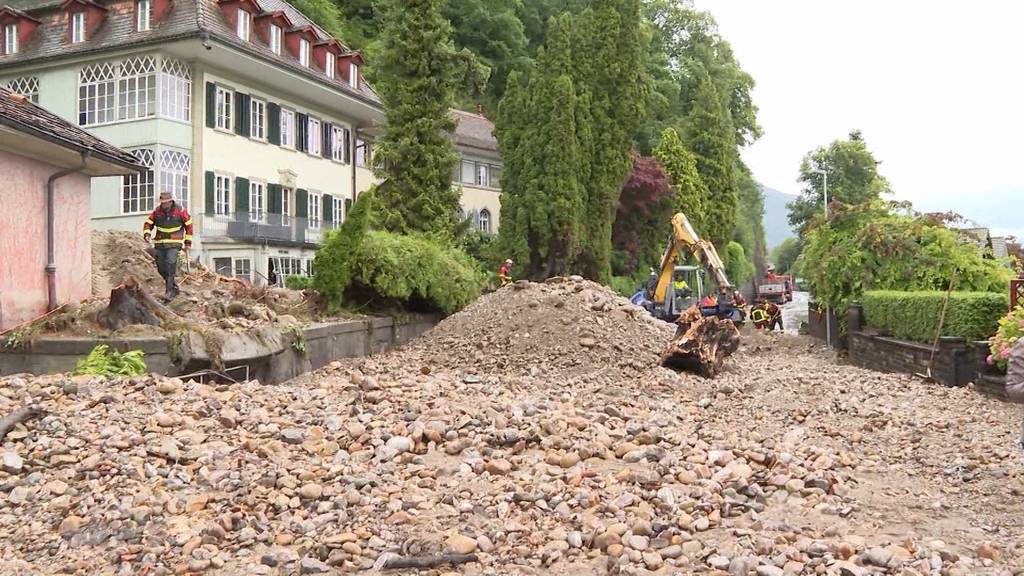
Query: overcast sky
{"type": "Point", "coordinates": [936, 87]}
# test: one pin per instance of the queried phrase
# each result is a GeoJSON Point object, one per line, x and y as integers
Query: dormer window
{"type": "Point", "coordinates": [78, 27]}
{"type": "Point", "coordinates": [304, 52]}
{"type": "Point", "coordinates": [353, 74]}
{"type": "Point", "coordinates": [276, 34]}
{"type": "Point", "coordinates": [329, 64]}
{"type": "Point", "coordinates": [143, 15]}
{"type": "Point", "coordinates": [11, 39]}
{"type": "Point", "coordinates": [244, 22]}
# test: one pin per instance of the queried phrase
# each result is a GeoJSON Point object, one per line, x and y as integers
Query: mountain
{"type": "Point", "coordinates": [776, 223]}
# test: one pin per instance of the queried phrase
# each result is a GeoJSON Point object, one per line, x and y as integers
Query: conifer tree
{"type": "Point", "coordinates": [690, 195]}
{"type": "Point", "coordinates": [416, 80]}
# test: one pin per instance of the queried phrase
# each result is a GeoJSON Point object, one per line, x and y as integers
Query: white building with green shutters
{"type": "Point", "coordinates": [252, 116]}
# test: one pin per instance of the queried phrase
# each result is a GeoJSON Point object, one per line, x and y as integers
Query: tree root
{"type": "Point", "coordinates": [20, 415]}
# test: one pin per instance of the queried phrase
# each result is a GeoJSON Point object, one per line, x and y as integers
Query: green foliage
{"type": "Point", "coordinates": [710, 137]}
{"type": "Point", "coordinates": [326, 14]}
{"type": "Point", "coordinates": [480, 246]}
{"type": "Point", "coordinates": [296, 282]}
{"type": "Point", "coordinates": [784, 255]}
{"type": "Point", "coordinates": [853, 178]}
{"type": "Point", "coordinates": [645, 208]}
{"type": "Point", "coordinates": [625, 286]}
{"type": "Point", "coordinates": [915, 315]}
{"type": "Point", "coordinates": [103, 361]}
{"type": "Point", "coordinates": [739, 268]}
{"type": "Point", "coordinates": [333, 262]}
{"type": "Point", "coordinates": [415, 271]}
{"type": "Point", "coordinates": [876, 246]}
{"type": "Point", "coordinates": [689, 192]}
{"type": "Point", "coordinates": [1011, 330]}
{"type": "Point", "coordinates": [493, 36]}
{"type": "Point", "coordinates": [749, 229]}
{"type": "Point", "coordinates": [416, 76]}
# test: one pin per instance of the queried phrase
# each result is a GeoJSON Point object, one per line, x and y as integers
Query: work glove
{"type": "Point", "coordinates": [146, 237]}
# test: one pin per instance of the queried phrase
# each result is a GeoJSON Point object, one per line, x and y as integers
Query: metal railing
{"type": "Point", "coordinates": [269, 228]}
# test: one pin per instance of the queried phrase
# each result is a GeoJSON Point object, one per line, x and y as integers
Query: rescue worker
{"type": "Point", "coordinates": [680, 286]}
{"type": "Point", "coordinates": [759, 316]}
{"type": "Point", "coordinates": [770, 275]}
{"type": "Point", "coordinates": [505, 272]}
{"type": "Point", "coordinates": [709, 301]}
{"type": "Point", "coordinates": [774, 315]}
{"type": "Point", "coordinates": [173, 233]}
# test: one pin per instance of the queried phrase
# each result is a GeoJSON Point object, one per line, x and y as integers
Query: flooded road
{"type": "Point", "coordinates": [795, 312]}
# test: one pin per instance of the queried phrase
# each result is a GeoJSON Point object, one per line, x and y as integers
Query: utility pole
{"type": "Point", "coordinates": [828, 309]}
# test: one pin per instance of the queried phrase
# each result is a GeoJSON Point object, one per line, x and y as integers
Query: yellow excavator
{"type": "Point", "coordinates": [664, 301]}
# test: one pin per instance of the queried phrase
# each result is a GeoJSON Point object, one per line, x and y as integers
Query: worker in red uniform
{"type": "Point", "coordinates": [173, 228]}
{"type": "Point", "coordinates": [774, 315]}
{"type": "Point", "coordinates": [505, 272]}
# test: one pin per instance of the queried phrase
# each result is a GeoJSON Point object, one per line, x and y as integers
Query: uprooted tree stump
{"type": "Point", "coordinates": [700, 344]}
{"type": "Point", "coordinates": [130, 303]}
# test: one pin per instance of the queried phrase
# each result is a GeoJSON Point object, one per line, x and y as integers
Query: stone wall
{"type": "Point", "coordinates": [816, 326]}
{"type": "Point", "coordinates": [953, 360]}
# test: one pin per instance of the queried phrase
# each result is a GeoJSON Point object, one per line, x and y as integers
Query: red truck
{"type": "Point", "coordinates": [777, 288]}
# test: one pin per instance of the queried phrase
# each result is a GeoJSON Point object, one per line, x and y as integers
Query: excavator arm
{"type": "Point", "coordinates": [685, 238]}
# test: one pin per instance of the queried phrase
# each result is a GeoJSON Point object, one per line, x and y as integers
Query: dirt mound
{"type": "Point", "coordinates": [573, 327]}
{"type": "Point", "coordinates": [116, 255]}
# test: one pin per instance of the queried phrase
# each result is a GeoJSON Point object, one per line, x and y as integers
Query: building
{"type": "Point", "coordinates": [479, 169]}
{"type": "Point", "coordinates": [47, 164]}
{"type": "Point", "coordinates": [251, 115]}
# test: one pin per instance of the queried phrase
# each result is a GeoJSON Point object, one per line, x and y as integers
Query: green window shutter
{"type": "Point", "coordinates": [348, 207]}
{"type": "Point", "coordinates": [301, 204]}
{"type": "Point", "coordinates": [325, 147]}
{"type": "Point", "coordinates": [273, 123]}
{"type": "Point", "coordinates": [210, 194]}
{"type": "Point", "coordinates": [301, 128]}
{"type": "Point", "coordinates": [241, 195]}
{"type": "Point", "coordinates": [274, 198]}
{"type": "Point", "coordinates": [328, 207]}
{"type": "Point", "coordinates": [211, 105]}
{"type": "Point", "coordinates": [241, 114]}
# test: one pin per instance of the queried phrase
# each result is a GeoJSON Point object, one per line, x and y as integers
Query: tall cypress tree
{"type": "Point", "coordinates": [710, 136]}
{"type": "Point", "coordinates": [416, 80]}
{"type": "Point", "coordinates": [689, 192]}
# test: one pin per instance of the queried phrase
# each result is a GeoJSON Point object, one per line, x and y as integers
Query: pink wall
{"type": "Point", "coordinates": [23, 238]}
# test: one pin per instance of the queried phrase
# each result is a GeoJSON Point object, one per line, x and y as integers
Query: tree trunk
{"type": "Point", "coordinates": [130, 303]}
{"type": "Point", "coordinates": [700, 344]}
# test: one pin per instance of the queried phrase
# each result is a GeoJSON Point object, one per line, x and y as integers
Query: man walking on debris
{"type": "Point", "coordinates": [505, 272]}
{"type": "Point", "coordinates": [1015, 379]}
{"type": "Point", "coordinates": [173, 232]}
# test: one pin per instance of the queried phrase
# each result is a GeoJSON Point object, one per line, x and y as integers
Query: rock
{"type": "Point", "coordinates": [652, 560]}
{"type": "Point", "coordinates": [12, 462]}
{"type": "Point", "coordinates": [569, 460]}
{"type": "Point", "coordinates": [311, 491]}
{"type": "Point", "coordinates": [484, 544]}
{"type": "Point", "coordinates": [877, 557]}
{"type": "Point", "coordinates": [70, 525]}
{"type": "Point", "coordinates": [168, 386]}
{"type": "Point", "coordinates": [849, 569]}
{"type": "Point", "coordinates": [718, 562]}
{"type": "Point", "coordinates": [400, 444]}
{"type": "Point", "coordinates": [988, 551]}
{"type": "Point", "coordinates": [499, 467]}
{"type": "Point", "coordinates": [642, 527]}
{"type": "Point", "coordinates": [588, 342]}
{"type": "Point", "coordinates": [692, 548]}
{"type": "Point", "coordinates": [461, 544]}
{"type": "Point", "coordinates": [768, 570]}
{"type": "Point", "coordinates": [845, 550]}
{"type": "Point", "coordinates": [18, 495]}
{"type": "Point", "coordinates": [313, 566]}
{"type": "Point", "coordinates": [293, 436]}
{"type": "Point", "coordinates": [637, 542]}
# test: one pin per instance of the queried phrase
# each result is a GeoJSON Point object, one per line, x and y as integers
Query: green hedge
{"type": "Point", "coordinates": [296, 282]}
{"type": "Point", "coordinates": [915, 315]}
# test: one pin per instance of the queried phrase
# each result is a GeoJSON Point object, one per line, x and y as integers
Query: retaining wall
{"type": "Point", "coordinates": [270, 363]}
{"type": "Point", "coordinates": [816, 326]}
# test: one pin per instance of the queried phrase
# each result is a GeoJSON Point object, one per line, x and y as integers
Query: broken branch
{"type": "Point", "coordinates": [20, 415]}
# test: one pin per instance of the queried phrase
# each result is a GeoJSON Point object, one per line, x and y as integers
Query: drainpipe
{"type": "Point", "coordinates": [51, 261]}
{"type": "Point", "coordinates": [355, 138]}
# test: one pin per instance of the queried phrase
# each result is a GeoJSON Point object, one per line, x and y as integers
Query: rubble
{"type": "Point", "coordinates": [495, 445]}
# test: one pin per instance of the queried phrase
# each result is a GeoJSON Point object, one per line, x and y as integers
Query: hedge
{"type": "Point", "coordinates": [296, 282]}
{"type": "Point", "coordinates": [915, 315]}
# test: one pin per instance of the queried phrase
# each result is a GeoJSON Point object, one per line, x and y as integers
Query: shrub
{"type": "Point", "coordinates": [103, 361]}
{"type": "Point", "coordinates": [915, 315]}
{"type": "Point", "coordinates": [624, 285]}
{"type": "Point", "coordinates": [1011, 329]}
{"type": "Point", "coordinates": [739, 268]}
{"type": "Point", "coordinates": [333, 262]}
{"type": "Point", "coordinates": [295, 282]}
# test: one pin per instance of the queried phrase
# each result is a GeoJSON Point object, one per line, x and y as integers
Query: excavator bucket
{"type": "Point", "coordinates": [701, 343]}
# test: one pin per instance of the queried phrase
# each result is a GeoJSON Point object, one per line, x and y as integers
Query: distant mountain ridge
{"type": "Point", "coordinates": [776, 216]}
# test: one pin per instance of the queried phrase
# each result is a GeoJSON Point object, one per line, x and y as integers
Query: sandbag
{"type": "Point", "coordinates": [1015, 373]}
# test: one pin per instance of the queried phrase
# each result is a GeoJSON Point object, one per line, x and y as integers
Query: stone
{"type": "Point", "coordinates": [988, 551]}
{"type": "Point", "coordinates": [588, 342]}
{"type": "Point", "coordinates": [168, 386]}
{"type": "Point", "coordinates": [484, 543]}
{"type": "Point", "coordinates": [692, 548]}
{"type": "Point", "coordinates": [637, 542]}
{"type": "Point", "coordinates": [313, 566]}
{"type": "Point", "coordinates": [768, 570]}
{"type": "Point", "coordinates": [18, 495]}
{"type": "Point", "coordinates": [70, 525]}
{"type": "Point", "coordinates": [653, 560]}
{"type": "Point", "coordinates": [569, 460]}
{"type": "Point", "coordinates": [499, 467]}
{"type": "Point", "coordinates": [12, 462]}
{"type": "Point", "coordinates": [671, 552]}
{"type": "Point", "coordinates": [877, 557]}
{"type": "Point", "coordinates": [461, 544]}
{"type": "Point", "coordinates": [400, 444]}
{"type": "Point", "coordinates": [311, 491]}
{"type": "Point", "coordinates": [718, 562]}
{"type": "Point", "coordinates": [293, 436]}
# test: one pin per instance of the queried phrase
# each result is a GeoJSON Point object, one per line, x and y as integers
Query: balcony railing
{"type": "Point", "coordinates": [269, 228]}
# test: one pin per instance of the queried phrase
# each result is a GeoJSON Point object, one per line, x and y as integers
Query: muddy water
{"type": "Point", "coordinates": [795, 312]}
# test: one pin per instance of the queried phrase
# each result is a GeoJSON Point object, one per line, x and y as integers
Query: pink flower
{"type": "Point", "coordinates": [1004, 353]}
{"type": "Point", "coordinates": [990, 361]}
{"type": "Point", "coordinates": [1022, 322]}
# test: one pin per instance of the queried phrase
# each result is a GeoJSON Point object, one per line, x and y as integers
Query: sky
{"type": "Point", "coordinates": [936, 87]}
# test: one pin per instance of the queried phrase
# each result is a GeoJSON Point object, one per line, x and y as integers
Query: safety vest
{"type": "Point", "coordinates": [758, 315]}
{"type": "Point", "coordinates": [173, 227]}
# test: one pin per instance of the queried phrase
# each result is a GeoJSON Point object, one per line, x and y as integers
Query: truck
{"type": "Point", "coordinates": [777, 288]}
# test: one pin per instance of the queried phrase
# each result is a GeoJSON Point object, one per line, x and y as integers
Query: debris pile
{"type": "Point", "coordinates": [517, 456]}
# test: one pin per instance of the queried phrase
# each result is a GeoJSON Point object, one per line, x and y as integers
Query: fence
{"type": "Point", "coordinates": [1016, 293]}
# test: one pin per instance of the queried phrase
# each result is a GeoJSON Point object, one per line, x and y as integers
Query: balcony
{"type": "Point", "coordinates": [265, 229]}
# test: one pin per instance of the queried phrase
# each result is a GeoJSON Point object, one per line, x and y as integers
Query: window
{"type": "Point", "coordinates": [222, 266]}
{"type": "Point", "coordinates": [137, 195]}
{"type": "Point", "coordinates": [304, 52]}
{"type": "Point", "coordinates": [143, 10]}
{"type": "Point", "coordinates": [485, 220]}
{"type": "Point", "coordinates": [225, 107]}
{"type": "Point", "coordinates": [78, 27]}
{"type": "Point", "coordinates": [222, 195]}
{"type": "Point", "coordinates": [258, 119]}
{"type": "Point", "coordinates": [339, 141]}
{"type": "Point", "coordinates": [481, 175]}
{"type": "Point", "coordinates": [257, 193]}
{"type": "Point", "coordinates": [96, 92]}
{"type": "Point", "coordinates": [353, 74]}
{"type": "Point", "coordinates": [314, 210]}
{"type": "Point", "coordinates": [495, 176]}
{"type": "Point", "coordinates": [364, 153]}
{"type": "Point", "coordinates": [174, 175]}
{"type": "Point", "coordinates": [337, 211]}
{"type": "Point", "coordinates": [287, 128]}
{"type": "Point", "coordinates": [11, 39]}
{"type": "Point", "coordinates": [468, 172]}
{"type": "Point", "coordinates": [243, 268]}
{"type": "Point", "coordinates": [288, 267]}
{"type": "Point", "coordinates": [313, 137]}
{"type": "Point", "coordinates": [27, 86]}
{"type": "Point", "coordinates": [329, 65]}
{"type": "Point", "coordinates": [136, 90]}
{"type": "Point", "coordinates": [275, 39]}
{"type": "Point", "coordinates": [175, 90]}
{"type": "Point", "coordinates": [243, 24]}
{"type": "Point", "coordinates": [286, 205]}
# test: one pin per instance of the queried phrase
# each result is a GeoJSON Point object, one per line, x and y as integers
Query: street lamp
{"type": "Point", "coordinates": [828, 309]}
